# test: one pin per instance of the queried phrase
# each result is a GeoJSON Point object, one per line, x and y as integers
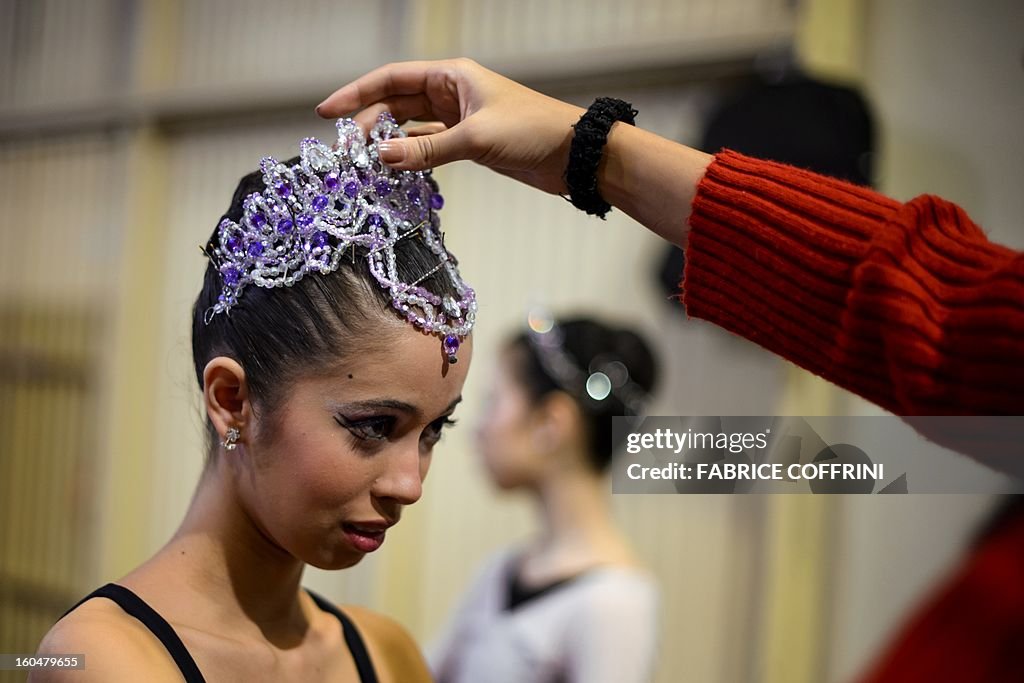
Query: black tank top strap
{"type": "Point", "coordinates": [135, 606]}
{"type": "Point", "coordinates": [352, 638]}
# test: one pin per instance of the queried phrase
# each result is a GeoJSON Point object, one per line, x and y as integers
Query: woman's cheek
{"type": "Point", "coordinates": [317, 481]}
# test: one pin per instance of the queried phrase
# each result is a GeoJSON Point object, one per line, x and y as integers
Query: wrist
{"type": "Point", "coordinates": [611, 172]}
{"type": "Point", "coordinates": [560, 160]}
{"type": "Point", "coordinates": [651, 179]}
{"type": "Point", "coordinates": [587, 152]}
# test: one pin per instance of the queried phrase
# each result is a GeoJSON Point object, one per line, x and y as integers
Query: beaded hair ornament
{"type": "Point", "coordinates": [605, 375]}
{"type": "Point", "coordinates": [334, 201]}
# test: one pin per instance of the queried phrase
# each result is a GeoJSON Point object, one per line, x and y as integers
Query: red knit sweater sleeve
{"type": "Point", "coordinates": [908, 305]}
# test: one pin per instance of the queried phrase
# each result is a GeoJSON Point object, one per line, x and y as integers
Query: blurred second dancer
{"type": "Point", "coordinates": [572, 604]}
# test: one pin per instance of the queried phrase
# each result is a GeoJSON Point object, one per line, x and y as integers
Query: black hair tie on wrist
{"type": "Point", "coordinates": [586, 149]}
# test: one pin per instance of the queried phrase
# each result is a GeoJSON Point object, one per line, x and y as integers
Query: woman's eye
{"type": "Point", "coordinates": [368, 429]}
{"type": "Point", "coordinates": [434, 429]}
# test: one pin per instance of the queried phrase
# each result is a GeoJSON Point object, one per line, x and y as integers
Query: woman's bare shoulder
{"type": "Point", "coordinates": [116, 646]}
{"type": "Point", "coordinates": [395, 655]}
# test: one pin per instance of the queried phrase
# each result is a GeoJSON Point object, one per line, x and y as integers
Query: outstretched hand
{"type": "Point", "coordinates": [467, 112]}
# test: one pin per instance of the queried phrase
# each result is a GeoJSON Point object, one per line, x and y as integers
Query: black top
{"type": "Point", "coordinates": [520, 594]}
{"type": "Point", "coordinates": [136, 607]}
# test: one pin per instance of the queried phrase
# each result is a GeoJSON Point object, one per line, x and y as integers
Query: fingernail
{"type": "Point", "coordinates": [318, 109]}
{"type": "Point", "coordinates": [391, 152]}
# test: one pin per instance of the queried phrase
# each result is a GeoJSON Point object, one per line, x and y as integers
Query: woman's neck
{"type": "Point", "coordinates": [226, 561]}
{"type": "Point", "coordinates": [577, 524]}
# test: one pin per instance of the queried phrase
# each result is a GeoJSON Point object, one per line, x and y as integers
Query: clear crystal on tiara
{"type": "Point", "coordinates": [316, 155]}
{"type": "Point", "coordinates": [331, 203]}
{"type": "Point", "coordinates": [451, 306]}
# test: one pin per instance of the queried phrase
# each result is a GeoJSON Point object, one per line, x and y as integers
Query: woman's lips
{"type": "Point", "coordinates": [365, 537]}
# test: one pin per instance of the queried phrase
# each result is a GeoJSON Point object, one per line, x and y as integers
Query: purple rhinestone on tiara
{"type": "Point", "coordinates": [451, 347]}
{"type": "Point", "coordinates": [321, 209]}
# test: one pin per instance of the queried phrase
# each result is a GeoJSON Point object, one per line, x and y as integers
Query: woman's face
{"type": "Point", "coordinates": [507, 434]}
{"type": "Point", "coordinates": [347, 450]}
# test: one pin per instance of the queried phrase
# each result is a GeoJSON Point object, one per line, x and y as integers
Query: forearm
{"type": "Point", "coordinates": [652, 179]}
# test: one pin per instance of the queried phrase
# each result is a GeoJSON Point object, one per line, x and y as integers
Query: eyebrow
{"type": "Point", "coordinates": [395, 404]}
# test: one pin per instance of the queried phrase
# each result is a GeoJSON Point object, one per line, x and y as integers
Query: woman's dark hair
{"type": "Point", "coordinates": [282, 334]}
{"type": "Point", "coordinates": [584, 340]}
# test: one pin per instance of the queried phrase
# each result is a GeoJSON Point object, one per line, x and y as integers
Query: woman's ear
{"type": "Point", "coordinates": [226, 395]}
{"type": "Point", "coordinates": [557, 424]}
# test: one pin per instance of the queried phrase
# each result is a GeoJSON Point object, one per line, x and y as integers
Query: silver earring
{"type": "Point", "coordinates": [230, 441]}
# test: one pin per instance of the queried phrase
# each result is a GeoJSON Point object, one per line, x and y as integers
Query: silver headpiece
{"type": "Point", "coordinates": [321, 209]}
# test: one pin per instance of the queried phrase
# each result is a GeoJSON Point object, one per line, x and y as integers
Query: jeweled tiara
{"type": "Point", "coordinates": [334, 201]}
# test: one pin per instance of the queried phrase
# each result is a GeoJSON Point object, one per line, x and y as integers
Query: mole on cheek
{"type": "Point", "coordinates": [350, 376]}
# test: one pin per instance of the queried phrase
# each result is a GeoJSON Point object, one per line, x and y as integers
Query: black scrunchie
{"type": "Point", "coordinates": [591, 134]}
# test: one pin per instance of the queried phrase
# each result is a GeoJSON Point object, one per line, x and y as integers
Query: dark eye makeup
{"type": "Point", "coordinates": [378, 428]}
{"type": "Point", "coordinates": [435, 429]}
{"type": "Point", "coordinates": [373, 428]}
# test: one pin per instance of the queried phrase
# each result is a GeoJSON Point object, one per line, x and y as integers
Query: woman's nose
{"type": "Point", "coordinates": [402, 480]}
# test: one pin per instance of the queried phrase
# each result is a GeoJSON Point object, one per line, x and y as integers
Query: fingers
{"type": "Point", "coordinates": [426, 129]}
{"type": "Point", "coordinates": [426, 151]}
{"type": "Point", "coordinates": [402, 89]}
{"type": "Point", "coordinates": [403, 108]}
{"type": "Point", "coordinates": [368, 117]}
{"type": "Point", "coordinates": [399, 78]}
